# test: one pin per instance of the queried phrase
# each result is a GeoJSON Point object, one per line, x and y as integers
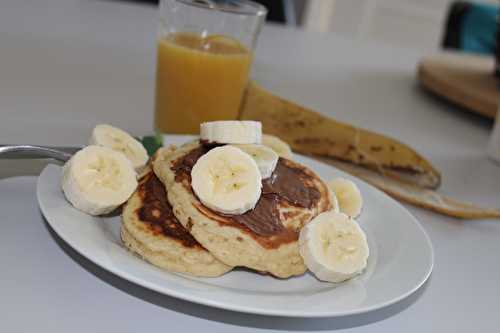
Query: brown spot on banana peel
{"type": "Point", "coordinates": [316, 134]}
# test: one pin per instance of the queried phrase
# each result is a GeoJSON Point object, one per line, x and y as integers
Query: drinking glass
{"type": "Point", "coordinates": [204, 55]}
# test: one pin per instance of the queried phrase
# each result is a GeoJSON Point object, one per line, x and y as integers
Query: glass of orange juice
{"type": "Point", "coordinates": [205, 50]}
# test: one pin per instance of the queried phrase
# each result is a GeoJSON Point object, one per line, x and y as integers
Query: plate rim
{"type": "Point", "coordinates": [246, 308]}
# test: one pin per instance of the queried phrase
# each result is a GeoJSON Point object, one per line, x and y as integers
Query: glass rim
{"type": "Point", "coordinates": [258, 9]}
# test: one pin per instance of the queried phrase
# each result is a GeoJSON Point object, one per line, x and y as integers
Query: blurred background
{"type": "Point", "coordinates": [425, 22]}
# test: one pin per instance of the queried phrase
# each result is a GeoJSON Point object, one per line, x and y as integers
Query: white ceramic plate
{"type": "Point", "coordinates": [401, 259]}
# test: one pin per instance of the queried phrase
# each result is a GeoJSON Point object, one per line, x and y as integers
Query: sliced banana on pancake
{"type": "Point", "coordinates": [232, 132]}
{"type": "Point", "coordinates": [348, 196]}
{"type": "Point", "coordinates": [96, 180]}
{"type": "Point", "coordinates": [279, 146]}
{"type": "Point", "coordinates": [265, 158]}
{"type": "Point", "coordinates": [227, 180]}
{"type": "Point", "coordinates": [334, 247]}
{"type": "Point", "coordinates": [121, 141]}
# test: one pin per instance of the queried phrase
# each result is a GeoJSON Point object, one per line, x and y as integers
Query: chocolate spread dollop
{"type": "Point", "coordinates": [157, 212]}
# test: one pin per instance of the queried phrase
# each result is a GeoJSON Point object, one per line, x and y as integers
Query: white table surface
{"type": "Point", "coordinates": [66, 65]}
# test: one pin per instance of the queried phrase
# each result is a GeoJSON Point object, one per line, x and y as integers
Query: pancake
{"type": "Point", "coordinates": [151, 230]}
{"type": "Point", "coordinates": [265, 238]}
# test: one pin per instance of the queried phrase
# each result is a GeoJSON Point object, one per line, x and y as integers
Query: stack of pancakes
{"type": "Point", "coordinates": [166, 224]}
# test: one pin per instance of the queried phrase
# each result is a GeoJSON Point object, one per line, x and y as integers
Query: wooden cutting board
{"type": "Point", "coordinates": [464, 79]}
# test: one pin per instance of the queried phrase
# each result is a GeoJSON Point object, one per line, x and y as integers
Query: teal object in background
{"type": "Point", "coordinates": [479, 28]}
{"type": "Point", "coordinates": [471, 27]}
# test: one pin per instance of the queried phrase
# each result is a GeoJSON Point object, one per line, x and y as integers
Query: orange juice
{"type": "Point", "coordinates": [198, 79]}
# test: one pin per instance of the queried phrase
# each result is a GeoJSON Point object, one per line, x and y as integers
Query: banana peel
{"type": "Point", "coordinates": [415, 195]}
{"type": "Point", "coordinates": [311, 133]}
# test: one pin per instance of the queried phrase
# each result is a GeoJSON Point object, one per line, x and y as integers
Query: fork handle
{"type": "Point", "coordinates": [31, 151]}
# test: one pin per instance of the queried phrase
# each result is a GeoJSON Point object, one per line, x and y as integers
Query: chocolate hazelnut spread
{"type": "Point", "coordinates": [182, 167]}
{"type": "Point", "coordinates": [290, 183]}
{"type": "Point", "coordinates": [266, 210]}
{"type": "Point", "coordinates": [157, 212]}
{"type": "Point", "coordinates": [287, 184]}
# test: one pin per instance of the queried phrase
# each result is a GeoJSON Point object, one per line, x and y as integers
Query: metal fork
{"type": "Point", "coordinates": [61, 154]}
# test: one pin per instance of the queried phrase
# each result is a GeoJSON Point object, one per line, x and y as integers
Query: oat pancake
{"type": "Point", "coordinates": [151, 230]}
{"type": "Point", "coordinates": [265, 238]}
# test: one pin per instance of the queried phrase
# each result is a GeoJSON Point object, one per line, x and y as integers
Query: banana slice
{"type": "Point", "coordinates": [348, 196]}
{"type": "Point", "coordinates": [119, 140]}
{"type": "Point", "coordinates": [333, 247]}
{"type": "Point", "coordinates": [96, 180]}
{"type": "Point", "coordinates": [334, 201]}
{"type": "Point", "coordinates": [227, 180]}
{"type": "Point", "coordinates": [232, 131]}
{"type": "Point", "coordinates": [265, 158]}
{"type": "Point", "coordinates": [279, 146]}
